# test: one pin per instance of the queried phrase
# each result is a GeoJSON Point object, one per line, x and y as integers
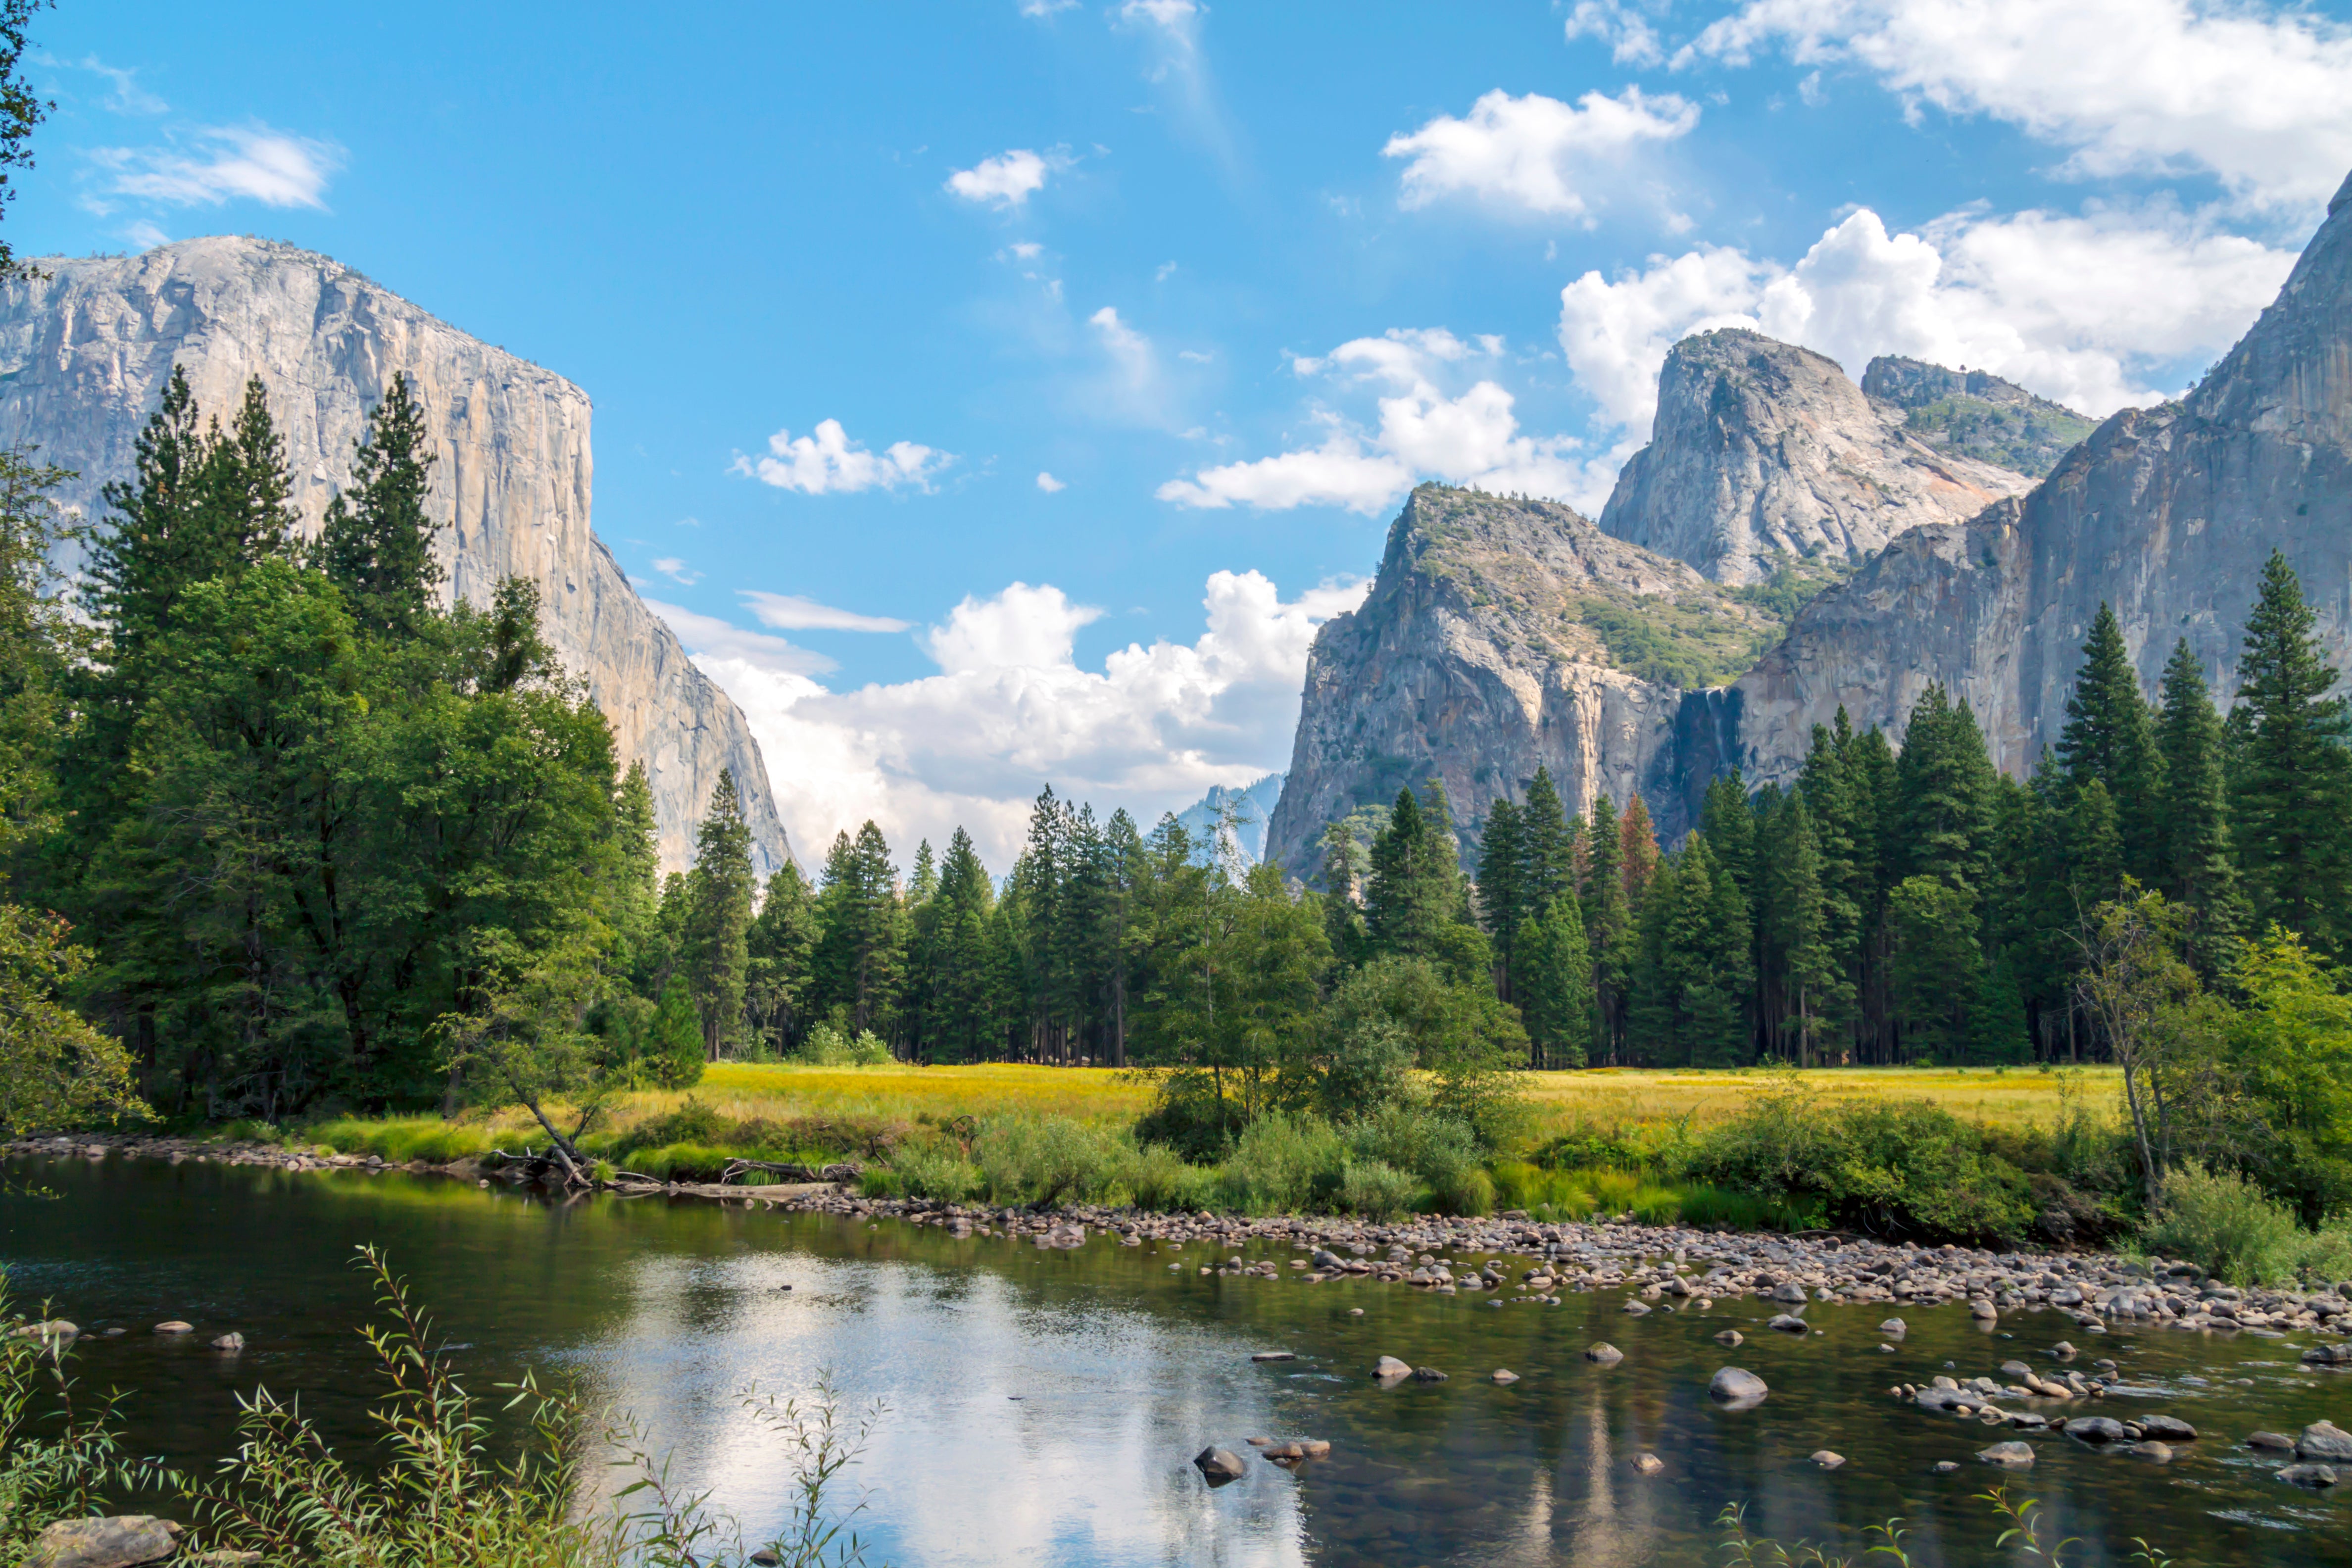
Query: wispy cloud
{"type": "Point", "coordinates": [676, 571]}
{"type": "Point", "coordinates": [251, 163]}
{"type": "Point", "coordinates": [790, 613]}
{"type": "Point", "coordinates": [125, 96]}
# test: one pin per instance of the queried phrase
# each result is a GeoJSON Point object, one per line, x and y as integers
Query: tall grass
{"type": "Point", "coordinates": [400, 1139]}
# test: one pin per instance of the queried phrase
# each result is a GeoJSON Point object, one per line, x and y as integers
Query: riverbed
{"type": "Point", "coordinates": [1044, 1404]}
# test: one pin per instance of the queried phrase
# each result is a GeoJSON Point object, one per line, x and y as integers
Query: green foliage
{"type": "Point", "coordinates": [829, 1047]}
{"type": "Point", "coordinates": [1286, 1165]}
{"type": "Point", "coordinates": [2291, 783]}
{"type": "Point", "coordinates": [56, 1071]}
{"type": "Point", "coordinates": [376, 544]}
{"type": "Point", "coordinates": [398, 1140]}
{"type": "Point", "coordinates": [673, 1049]}
{"type": "Point", "coordinates": [2226, 1225]}
{"type": "Point", "coordinates": [715, 951]}
{"type": "Point", "coordinates": [1675, 642]}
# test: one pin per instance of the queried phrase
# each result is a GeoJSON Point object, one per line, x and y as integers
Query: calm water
{"type": "Point", "coordinates": [1044, 1405]}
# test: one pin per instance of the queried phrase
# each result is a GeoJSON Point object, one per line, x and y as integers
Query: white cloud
{"type": "Point", "coordinates": [1011, 709]}
{"type": "Point", "coordinates": [1027, 250]}
{"type": "Point", "coordinates": [1534, 153]}
{"type": "Point", "coordinates": [1470, 438]}
{"type": "Point", "coordinates": [253, 162]}
{"type": "Point", "coordinates": [1135, 389]}
{"type": "Point", "coordinates": [1009, 179]}
{"type": "Point", "coordinates": [1049, 483]}
{"type": "Point", "coordinates": [126, 96]}
{"type": "Point", "coordinates": [1172, 16]}
{"type": "Point", "coordinates": [676, 571]}
{"type": "Point", "coordinates": [1044, 8]}
{"type": "Point", "coordinates": [790, 613]}
{"type": "Point", "coordinates": [1161, 273]}
{"type": "Point", "coordinates": [831, 463]}
{"type": "Point", "coordinates": [2090, 310]}
{"type": "Point", "coordinates": [2259, 95]}
{"type": "Point", "coordinates": [145, 235]}
{"type": "Point", "coordinates": [1631, 40]}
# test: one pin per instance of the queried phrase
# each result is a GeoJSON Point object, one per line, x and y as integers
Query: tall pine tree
{"type": "Point", "coordinates": [377, 542]}
{"type": "Point", "coordinates": [2292, 784]}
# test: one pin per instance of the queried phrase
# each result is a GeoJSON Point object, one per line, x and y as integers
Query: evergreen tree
{"type": "Point", "coordinates": [1795, 914]}
{"type": "Point", "coordinates": [777, 949]}
{"type": "Point", "coordinates": [2109, 737]}
{"type": "Point", "coordinates": [1610, 929]}
{"type": "Point", "coordinates": [1944, 795]}
{"type": "Point", "coordinates": [1720, 972]}
{"type": "Point", "coordinates": [1730, 829]}
{"type": "Point", "coordinates": [1936, 966]}
{"type": "Point", "coordinates": [855, 965]}
{"type": "Point", "coordinates": [2194, 864]}
{"type": "Point", "coordinates": [636, 892]}
{"type": "Point", "coordinates": [1556, 984]}
{"type": "Point", "coordinates": [1503, 903]}
{"type": "Point", "coordinates": [1844, 833]}
{"type": "Point", "coordinates": [1547, 847]}
{"type": "Point", "coordinates": [377, 542]}
{"type": "Point", "coordinates": [1637, 853]}
{"type": "Point", "coordinates": [1412, 895]}
{"type": "Point", "coordinates": [161, 537]}
{"type": "Point", "coordinates": [674, 1051]}
{"type": "Point", "coordinates": [2291, 782]}
{"type": "Point", "coordinates": [719, 919]}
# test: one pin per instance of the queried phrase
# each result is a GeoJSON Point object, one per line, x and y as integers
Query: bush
{"type": "Point", "coordinates": [1376, 1190]}
{"type": "Point", "coordinates": [829, 1047]}
{"type": "Point", "coordinates": [1190, 1117]}
{"type": "Point", "coordinates": [1284, 1164]}
{"type": "Point", "coordinates": [1158, 1179]}
{"type": "Point", "coordinates": [1042, 1160]}
{"type": "Point", "coordinates": [2224, 1224]}
{"type": "Point", "coordinates": [933, 1173]}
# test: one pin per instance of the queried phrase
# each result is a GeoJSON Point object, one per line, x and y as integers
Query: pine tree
{"type": "Point", "coordinates": [719, 919]}
{"type": "Point", "coordinates": [1408, 898]}
{"type": "Point", "coordinates": [1796, 913]}
{"type": "Point", "coordinates": [777, 952]}
{"type": "Point", "coordinates": [636, 894]}
{"type": "Point", "coordinates": [246, 484]}
{"type": "Point", "coordinates": [1556, 984]}
{"type": "Point", "coordinates": [1608, 929]}
{"type": "Point", "coordinates": [2109, 737]}
{"type": "Point", "coordinates": [1547, 847]}
{"type": "Point", "coordinates": [855, 967]}
{"type": "Point", "coordinates": [1730, 829]}
{"type": "Point", "coordinates": [2292, 782]}
{"type": "Point", "coordinates": [675, 1052]}
{"type": "Point", "coordinates": [1829, 789]}
{"type": "Point", "coordinates": [377, 542]}
{"type": "Point", "coordinates": [1944, 795]}
{"type": "Point", "coordinates": [1719, 972]}
{"type": "Point", "coordinates": [1503, 903]}
{"type": "Point", "coordinates": [2194, 867]}
{"type": "Point", "coordinates": [1637, 854]}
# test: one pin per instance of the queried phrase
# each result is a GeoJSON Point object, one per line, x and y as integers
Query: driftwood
{"type": "Point", "coordinates": [792, 1171]}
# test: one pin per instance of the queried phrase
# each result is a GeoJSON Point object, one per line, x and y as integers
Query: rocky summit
{"type": "Point", "coordinates": [1500, 635]}
{"type": "Point", "coordinates": [2166, 513]}
{"type": "Point", "coordinates": [1975, 414]}
{"type": "Point", "coordinates": [87, 344]}
{"type": "Point", "coordinates": [1764, 456]}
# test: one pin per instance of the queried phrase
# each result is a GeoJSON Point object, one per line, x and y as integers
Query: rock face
{"type": "Point", "coordinates": [1501, 637]}
{"type": "Point", "coordinates": [1975, 414]}
{"type": "Point", "coordinates": [1764, 454]}
{"type": "Point", "coordinates": [84, 354]}
{"type": "Point", "coordinates": [2166, 514]}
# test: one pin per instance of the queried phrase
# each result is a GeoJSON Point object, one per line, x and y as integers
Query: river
{"type": "Point", "coordinates": [1044, 1404]}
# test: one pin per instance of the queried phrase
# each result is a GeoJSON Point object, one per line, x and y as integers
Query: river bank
{"type": "Point", "coordinates": [1509, 1257]}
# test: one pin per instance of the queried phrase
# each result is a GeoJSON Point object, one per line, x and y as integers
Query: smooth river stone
{"type": "Point", "coordinates": [1737, 1388]}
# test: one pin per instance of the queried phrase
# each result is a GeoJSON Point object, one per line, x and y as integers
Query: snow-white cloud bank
{"type": "Point", "coordinates": [1011, 710]}
{"type": "Point", "coordinates": [2092, 310]}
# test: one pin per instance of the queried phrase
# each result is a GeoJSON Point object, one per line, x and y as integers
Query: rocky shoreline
{"type": "Point", "coordinates": [1661, 1267]}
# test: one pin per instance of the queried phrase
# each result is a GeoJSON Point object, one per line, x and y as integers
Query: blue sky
{"type": "Point", "coordinates": [1003, 394]}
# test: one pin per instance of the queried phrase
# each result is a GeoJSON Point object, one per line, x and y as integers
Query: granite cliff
{"type": "Point", "coordinates": [2166, 514]}
{"type": "Point", "coordinates": [1763, 453]}
{"type": "Point", "coordinates": [1501, 636]}
{"type": "Point", "coordinates": [85, 349]}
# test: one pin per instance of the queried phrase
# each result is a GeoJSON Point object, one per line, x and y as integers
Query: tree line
{"type": "Point", "coordinates": [317, 838]}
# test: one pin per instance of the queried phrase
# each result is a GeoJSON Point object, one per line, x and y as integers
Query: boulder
{"type": "Point", "coordinates": [1605, 1353]}
{"type": "Point", "coordinates": [1427, 1375]}
{"type": "Point", "coordinates": [1827, 1460]}
{"type": "Point", "coordinates": [1219, 1465]}
{"type": "Point", "coordinates": [1790, 1292]}
{"type": "Point", "coordinates": [2169, 1429]}
{"type": "Point", "coordinates": [1636, 1309]}
{"type": "Point", "coordinates": [173, 1326]}
{"type": "Point", "coordinates": [2152, 1451]}
{"type": "Point", "coordinates": [2325, 1443]}
{"type": "Point", "coordinates": [2009, 1455]}
{"type": "Point", "coordinates": [2095, 1429]}
{"type": "Point", "coordinates": [1731, 1337]}
{"type": "Point", "coordinates": [1737, 1388]}
{"type": "Point", "coordinates": [1505, 1374]}
{"type": "Point", "coordinates": [1390, 1368]}
{"type": "Point", "coordinates": [2313, 1476]}
{"type": "Point", "coordinates": [1790, 1323]}
{"type": "Point", "coordinates": [2271, 1442]}
{"type": "Point", "coordinates": [1895, 1326]}
{"type": "Point", "coordinates": [1650, 1465]}
{"type": "Point", "coordinates": [230, 1343]}
{"type": "Point", "coordinates": [119, 1542]}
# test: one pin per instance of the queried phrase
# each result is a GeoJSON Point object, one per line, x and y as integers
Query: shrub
{"type": "Point", "coordinates": [830, 1047]}
{"type": "Point", "coordinates": [1157, 1178]}
{"type": "Point", "coordinates": [1375, 1190]}
{"type": "Point", "coordinates": [1284, 1164]}
{"type": "Point", "coordinates": [1438, 1150]}
{"type": "Point", "coordinates": [934, 1173]}
{"type": "Point", "coordinates": [1469, 1191]}
{"type": "Point", "coordinates": [400, 1139]}
{"type": "Point", "coordinates": [2224, 1224]}
{"type": "Point", "coordinates": [1042, 1160]}
{"type": "Point", "coordinates": [1190, 1117]}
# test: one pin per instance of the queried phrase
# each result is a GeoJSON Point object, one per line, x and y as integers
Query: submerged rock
{"type": "Point", "coordinates": [1389, 1368]}
{"type": "Point", "coordinates": [1219, 1465]}
{"type": "Point", "coordinates": [1737, 1389]}
{"type": "Point", "coordinates": [2010, 1456]}
{"type": "Point", "coordinates": [1650, 1465]}
{"type": "Point", "coordinates": [2313, 1476]}
{"type": "Point", "coordinates": [1605, 1353]}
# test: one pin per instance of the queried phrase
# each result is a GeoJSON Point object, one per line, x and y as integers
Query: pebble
{"type": "Point", "coordinates": [1945, 1466]}
{"type": "Point", "coordinates": [1731, 1337]}
{"type": "Point", "coordinates": [173, 1326]}
{"type": "Point", "coordinates": [1635, 1309]}
{"type": "Point", "coordinates": [2095, 1429]}
{"type": "Point", "coordinates": [2276, 1441]}
{"type": "Point", "coordinates": [229, 1343]}
{"type": "Point", "coordinates": [1895, 1326]}
{"type": "Point", "coordinates": [1826, 1460]}
{"type": "Point", "coordinates": [1505, 1374]}
{"type": "Point", "coordinates": [1650, 1465]}
{"type": "Point", "coordinates": [1788, 1323]}
{"type": "Point", "coordinates": [2157, 1453]}
{"type": "Point", "coordinates": [1427, 1375]}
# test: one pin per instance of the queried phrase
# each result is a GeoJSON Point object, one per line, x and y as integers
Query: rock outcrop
{"type": "Point", "coordinates": [85, 349]}
{"type": "Point", "coordinates": [1765, 453]}
{"type": "Point", "coordinates": [1975, 414]}
{"type": "Point", "coordinates": [1500, 637]}
{"type": "Point", "coordinates": [2166, 514]}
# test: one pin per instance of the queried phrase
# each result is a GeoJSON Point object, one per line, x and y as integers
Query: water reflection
{"type": "Point", "coordinates": [1044, 1405]}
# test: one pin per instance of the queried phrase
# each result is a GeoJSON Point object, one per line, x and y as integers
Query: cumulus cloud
{"type": "Point", "coordinates": [1011, 709]}
{"type": "Point", "coordinates": [1008, 180]}
{"type": "Point", "coordinates": [1420, 432]}
{"type": "Point", "coordinates": [790, 613]}
{"type": "Point", "coordinates": [1631, 40]}
{"type": "Point", "coordinates": [2092, 310]}
{"type": "Point", "coordinates": [1049, 483]}
{"type": "Point", "coordinates": [249, 162]}
{"type": "Point", "coordinates": [1534, 153]}
{"type": "Point", "coordinates": [829, 462]}
{"type": "Point", "coordinates": [2260, 96]}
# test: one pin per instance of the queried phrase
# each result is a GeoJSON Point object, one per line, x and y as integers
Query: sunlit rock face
{"type": "Point", "coordinates": [85, 348]}
{"type": "Point", "coordinates": [2166, 514]}
{"type": "Point", "coordinates": [1764, 453]}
